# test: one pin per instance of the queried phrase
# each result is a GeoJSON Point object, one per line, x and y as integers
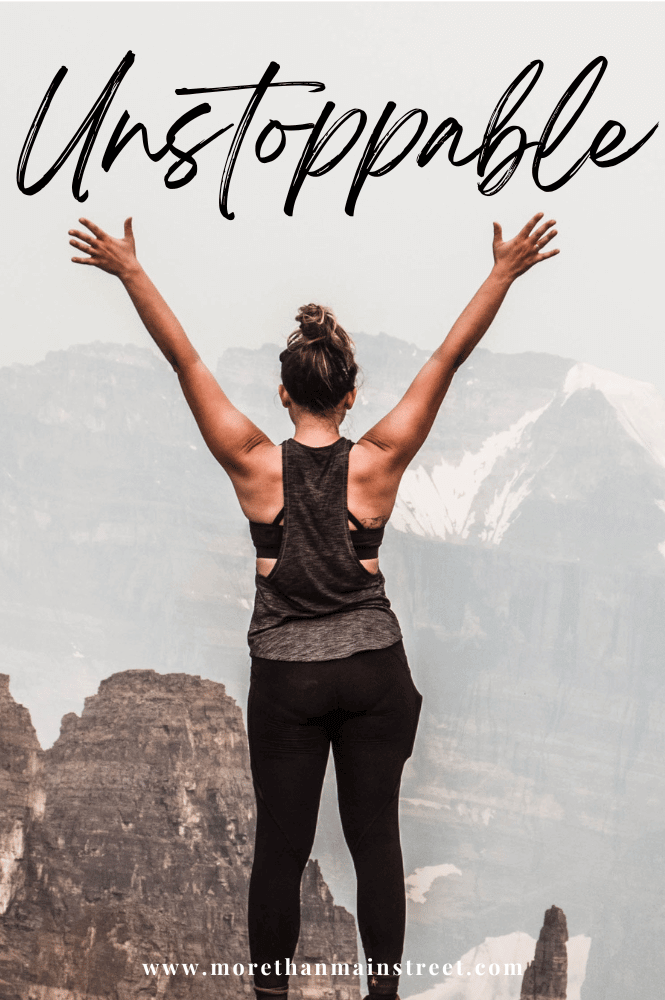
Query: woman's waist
{"type": "Point", "coordinates": [311, 594]}
{"type": "Point", "coordinates": [330, 636]}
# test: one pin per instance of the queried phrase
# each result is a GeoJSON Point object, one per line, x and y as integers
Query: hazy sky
{"type": "Point", "coordinates": [420, 241]}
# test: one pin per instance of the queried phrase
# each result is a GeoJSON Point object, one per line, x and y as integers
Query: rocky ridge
{"type": "Point", "coordinates": [130, 842]}
{"type": "Point", "coordinates": [546, 977]}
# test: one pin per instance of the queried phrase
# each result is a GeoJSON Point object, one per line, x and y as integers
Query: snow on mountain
{"type": "Point", "coordinates": [639, 406]}
{"type": "Point", "coordinates": [480, 495]}
{"type": "Point", "coordinates": [507, 953]}
{"type": "Point", "coordinates": [500, 512]}
{"type": "Point", "coordinates": [438, 503]}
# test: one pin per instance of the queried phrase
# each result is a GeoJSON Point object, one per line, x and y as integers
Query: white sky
{"type": "Point", "coordinates": [420, 242]}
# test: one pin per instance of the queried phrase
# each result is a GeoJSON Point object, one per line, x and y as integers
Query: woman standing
{"type": "Point", "coordinates": [328, 665]}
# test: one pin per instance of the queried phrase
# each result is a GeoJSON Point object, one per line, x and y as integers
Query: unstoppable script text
{"type": "Point", "coordinates": [497, 157]}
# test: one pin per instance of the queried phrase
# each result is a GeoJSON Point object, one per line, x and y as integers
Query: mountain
{"type": "Point", "coordinates": [127, 849]}
{"type": "Point", "coordinates": [525, 559]}
{"type": "Point", "coordinates": [546, 978]}
{"type": "Point", "coordinates": [522, 442]}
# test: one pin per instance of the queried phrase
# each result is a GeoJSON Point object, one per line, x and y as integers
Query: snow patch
{"type": "Point", "coordinates": [421, 880]}
{"type": "Point", "coordinates": [639, 406]}
{"type": "Point", "coordinates": [513, 951]}
{"type": "Point", "coordinates": [438, 504]}
{"type": "Point", "coordinates": [499, 514]}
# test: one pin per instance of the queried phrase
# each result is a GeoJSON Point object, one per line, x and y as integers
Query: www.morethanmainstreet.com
{"type": "Point", "coordinates": [289, 968]}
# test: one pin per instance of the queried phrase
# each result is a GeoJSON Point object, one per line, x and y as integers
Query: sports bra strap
{"type": "Point", "coordinates": [354, 520]}
{"type": "Point", "coordinates": [267, 538]}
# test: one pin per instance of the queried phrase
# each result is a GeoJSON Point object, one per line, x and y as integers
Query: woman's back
{"type": "Point", "coordinates": [371, 486]}
{"type": "Point", "coordinates": [319, 601]}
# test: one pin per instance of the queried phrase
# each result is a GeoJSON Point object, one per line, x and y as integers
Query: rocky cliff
{"type": "Point", "coordinates": [126, 851]}
{"type": "Point", "coordinates": [525, 560]}
{"type": "Point", "coordinates": [21, 791]}
{"type": "Point", "coordinates": [546, 977]}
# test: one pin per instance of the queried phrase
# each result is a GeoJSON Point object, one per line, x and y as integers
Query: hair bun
{"type": "Point", "coordinates": [318, 365]}
{"type": "Point", "coordinates": [316, 323]}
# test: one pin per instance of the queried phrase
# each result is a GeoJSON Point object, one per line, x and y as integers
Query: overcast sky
{"type": "Point", "coordinates": [420, 241]}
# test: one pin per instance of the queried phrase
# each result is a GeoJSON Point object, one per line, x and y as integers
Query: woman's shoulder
{"type": "Point", "coordinates": [366, 458]}
{"type": "Point", "coordinates": [258, 481]}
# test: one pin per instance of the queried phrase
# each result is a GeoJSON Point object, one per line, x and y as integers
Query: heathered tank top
{"type": "Point", "coordinates": [318, 602]}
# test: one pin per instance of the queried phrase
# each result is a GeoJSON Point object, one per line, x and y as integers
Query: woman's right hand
{"type": "Point", "coordinates": [110, 254]}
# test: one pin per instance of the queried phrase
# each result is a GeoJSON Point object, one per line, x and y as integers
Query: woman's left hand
{"type": "Point", "coordinates": [514, 257]}
{"type": "Point", "coordinates": [115, 256]}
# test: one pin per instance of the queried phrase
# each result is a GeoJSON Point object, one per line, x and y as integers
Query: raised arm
{"type": "Point", "coordinates": [230, 435]}
{"type": "Point", "coordinates": [401, 433]}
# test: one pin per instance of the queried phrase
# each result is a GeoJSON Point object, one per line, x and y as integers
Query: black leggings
{"type": "Point", "coordinates": [367, 707]}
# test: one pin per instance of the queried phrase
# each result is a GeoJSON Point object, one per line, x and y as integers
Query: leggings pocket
{"type": "Point", "coordinates": [414, 699]}
{"type": "Point", "coordinates": [398, 653]}
{"type": "Point", "coordinates": [416, 718]}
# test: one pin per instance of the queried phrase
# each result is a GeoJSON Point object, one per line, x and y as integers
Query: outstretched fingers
{"type": "Point", "coordinates": [115, 256]}
{"type": "Point", "coordinates": [530, 224]}
{"type": "Point", "coordinates": [544, 240]}
{"type": "Point", "coordinates": [540, 232]}
{"type": "Point", "coordinates": [519, 254]}
{"type": "Point", "coordinates": [83, 237]}
{"type": "Point", "coordinates": [86, 246]}
{"type": "Point", "coordinates": [541, 237]}
{"type": "Point", "coordinates": [95, 230]}
{"type": "Point", "coordinates": [80, 246]}
{"type": "Point", "coordinates": [83, 242]}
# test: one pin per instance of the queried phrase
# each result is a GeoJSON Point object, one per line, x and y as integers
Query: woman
{"type": "Point", "coordinates": [328, 665]}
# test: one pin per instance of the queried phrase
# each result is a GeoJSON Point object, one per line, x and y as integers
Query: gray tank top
{"type": "Point", "coordinates": [318, 602]}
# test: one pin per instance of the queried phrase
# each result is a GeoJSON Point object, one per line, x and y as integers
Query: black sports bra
{"type": "Point", "coordinates": [267, 538]}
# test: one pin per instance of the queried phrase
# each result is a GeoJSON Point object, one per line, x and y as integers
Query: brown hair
{"type": "Point", "coordinates": [318, 365]}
